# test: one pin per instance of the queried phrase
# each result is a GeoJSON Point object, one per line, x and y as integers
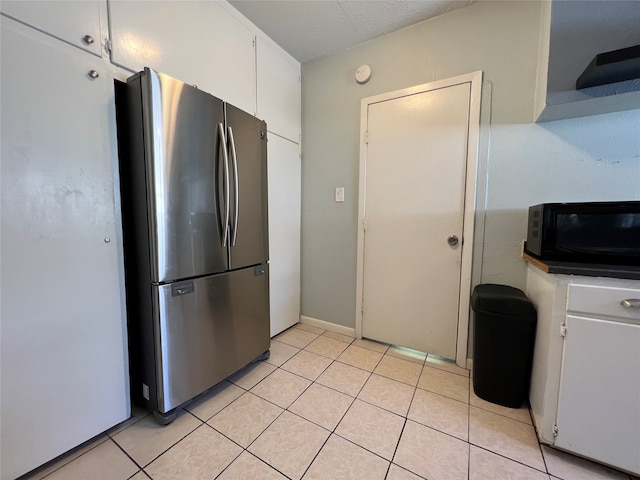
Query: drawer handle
{"type": "Point", "coordinates": [631, 303]}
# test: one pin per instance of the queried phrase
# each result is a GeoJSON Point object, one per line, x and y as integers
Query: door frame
{"type": "Point", "coordinates": [475, 81]}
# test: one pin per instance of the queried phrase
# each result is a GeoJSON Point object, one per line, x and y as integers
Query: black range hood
{"type": "Point", "coordinates": [611, 67]}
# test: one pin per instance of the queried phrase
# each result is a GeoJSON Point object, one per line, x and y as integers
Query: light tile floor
{"type": "Point", "coordinates": [326, 406]}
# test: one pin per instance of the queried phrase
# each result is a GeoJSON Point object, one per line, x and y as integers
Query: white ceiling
{"type": "Point", "coordinates": [310, 29]}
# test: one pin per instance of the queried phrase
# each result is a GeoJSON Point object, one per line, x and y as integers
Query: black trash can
{"type": "Point", "coordinates": [503, 339]}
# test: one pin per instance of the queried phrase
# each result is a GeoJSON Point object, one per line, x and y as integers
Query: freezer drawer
{"type": "Point", "coordinates": [207, 329]}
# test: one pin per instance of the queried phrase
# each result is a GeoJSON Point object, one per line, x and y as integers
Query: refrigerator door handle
{"type": "Point", "coordinates": [223, 142]}
{"type": "Point", "coordinates": [234, 158]}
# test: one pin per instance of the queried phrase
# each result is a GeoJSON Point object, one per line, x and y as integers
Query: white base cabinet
{"type": "Point", "coordinates": [63, 340]}
{"type": "Point", "coordinates": [585, 389]}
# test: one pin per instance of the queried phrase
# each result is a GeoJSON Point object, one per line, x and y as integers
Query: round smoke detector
{"type": "Point", "coordinates": [363, 74]}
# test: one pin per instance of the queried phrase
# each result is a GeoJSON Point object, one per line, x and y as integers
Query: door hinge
{"type": "Point", "coordinates": [365, 224]}
{"type": "Point", "coordinates": [108, 46]}
{"type": "Point", "coordinates": [563, 330]}
{"type": "Point", "coordinates": [366, 137]}
{"type": "Point", "coordinates": [554, 431]}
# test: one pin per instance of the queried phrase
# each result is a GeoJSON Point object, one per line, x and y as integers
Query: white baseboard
{"type": "Point", "coordinates": [332, 327]}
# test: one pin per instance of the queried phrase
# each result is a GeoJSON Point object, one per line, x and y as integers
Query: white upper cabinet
{"type": "Point", "coordinates": [198, 42]}
{"type": "Point", "coordinates": [278, 90]}
{"type": "Point", "coordinates": [83, 24]}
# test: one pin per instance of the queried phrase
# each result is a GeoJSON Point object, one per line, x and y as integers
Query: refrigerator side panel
{"type": "Point", "coordinates": [209, 328]}
{"type": "Point", "coordinates": [137, 255]}
{"type": "Point", "coordinates": [185, 165]}
{"type": "Point", "coordinates": [247, 138]}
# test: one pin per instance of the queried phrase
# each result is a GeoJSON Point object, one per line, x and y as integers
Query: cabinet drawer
{"type": "Point", "coordinates": [599, 300]}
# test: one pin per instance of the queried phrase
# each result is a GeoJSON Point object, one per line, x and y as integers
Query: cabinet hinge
{"type": "Point", "coordinates": [563, 330]}
{"type": "Point", "coordinates": [366, 137]}
{"type": "Point", "coordinates": [364, 224]}
{"type": "Point", "coordinates": [554, 431]}
{"type": "Point", "coordinates": [108, 46]}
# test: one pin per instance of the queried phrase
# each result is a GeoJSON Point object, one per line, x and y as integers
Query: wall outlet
{"type": "Point", "coordinates": [339, 194]}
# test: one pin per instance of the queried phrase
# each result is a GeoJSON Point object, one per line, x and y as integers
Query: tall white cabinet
{"type": "Point", "coordinates": [64, 369]}
{"type": "Point", "coordinates": [278, 90]}
{"type": "Point", "coordinates": [63, 347]}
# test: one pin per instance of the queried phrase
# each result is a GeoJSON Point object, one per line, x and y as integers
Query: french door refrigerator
{"type": "Point", "coordinates": [193, 174]}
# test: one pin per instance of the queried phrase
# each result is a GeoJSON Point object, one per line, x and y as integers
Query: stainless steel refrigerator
{"type": "Point", "coordinates": [193, 174]}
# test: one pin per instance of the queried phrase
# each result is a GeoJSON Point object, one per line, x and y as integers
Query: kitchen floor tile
{"type": "Point", "coordinates": [137, 414]}
{"type": "Point", "coordinates": [505, 436]}
{"type": "Point", "coordinates": [399, 473]}
{"type": "Point", "coordinates": [290, 444]}
{"type": "Point", "coordinates": [106, 461]}
{"type": "Point", "coordinates": [306, 364]}
{"type": "Point", "coordinates": [245, 419]}
{"type": "Point", "coordinates": [371, 345]}
{"type": "Point", "coordinates": [62, 460]}
{"type": "Point", "coordinates": [322, 405]}
{"type": "Point", "coordinates": [201, 455]}
{"type": "Point", "coordinates": [445, 383]}
{"type": "Point", "coordinates": [399, 369]}
{"type": "Point", "coordinates": [340, 459]}
{"type": "Point", "coordinates": [344, 378]}
{"type": "Point", "coordinates": [372, 428]}
{"type": "Point", "coordinates": [327, 347]}
{"type": "Point", "coordinates": [521, 414]}
{"type": "Point", "coordinates": [140, 476]}
{"type": "Point", "coordinates": [570, 467]}
{"type": "Point", "coordinates": [484, 465]}
{"type": "Point", "coordinates": [447, 365]}
{"type": "Point", "coordinates": [310, 328]}
{"type": "Point", "coordinates": [432, 454]}
{"type": "Point", "coordinates": [248, 377]}
{"type": "Point", "coordinates": [145, 440]}
{"type": "Point", "coordinates": [338, 336]}
{"type": "Point", "coordinates": [248, 467]}
{"type": "Point", "coordinates": [441, 413]}
{"type": "Point", "coordinates": [360, 357]}
{"type": "Point", "coordinates": [296, 337]}
{"type": "Point", "coordinates": [281, 388]}
{"type": "Point", "coordinates": [388, 394]}
{"type": "Point", "coordinates": [271, 423]}
{"type": "Point", "coordinates": [407, 354]}
{"type": "Point", "coordinates": [215, 400]}
{"type": "Point", "coordinates": [280, 353]}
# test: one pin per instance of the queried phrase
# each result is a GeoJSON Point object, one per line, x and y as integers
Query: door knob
{"type": "Point", "coordinates": [452, 240]}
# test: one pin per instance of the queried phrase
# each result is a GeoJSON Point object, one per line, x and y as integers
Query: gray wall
{"type": "Point", "coordinates": [592, 158]}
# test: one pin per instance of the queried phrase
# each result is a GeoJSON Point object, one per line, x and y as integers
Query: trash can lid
{"type": "Point", "coordinates": [501, 299]}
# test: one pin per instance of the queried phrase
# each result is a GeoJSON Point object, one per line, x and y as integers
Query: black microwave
{"type": "Point", "coordinates": [589, 232]}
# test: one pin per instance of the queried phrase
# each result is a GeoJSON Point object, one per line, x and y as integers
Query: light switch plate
{"type": "Point", "coordinates": [339, 194]}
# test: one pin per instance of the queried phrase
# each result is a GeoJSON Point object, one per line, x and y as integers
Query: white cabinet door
{"type": "Point", "coordinates": [278, 90]}
{"type": "Point", "coordinates": [284, 232]}
{"type": "Point", "coordinates": [198, 42]}
{"type": "Point", "coordinates": [68, 20]}
{"type": "Point", "coordinates": [63, 339]}
{"type": "Point", "coordinates": [599, 404]}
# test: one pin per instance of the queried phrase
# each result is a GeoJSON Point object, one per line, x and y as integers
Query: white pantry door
{"type": "Point", "coordinates": [416, 156]}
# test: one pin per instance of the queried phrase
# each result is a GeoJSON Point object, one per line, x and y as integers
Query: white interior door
{"type": "Point", "coordinates": [414, 201]}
